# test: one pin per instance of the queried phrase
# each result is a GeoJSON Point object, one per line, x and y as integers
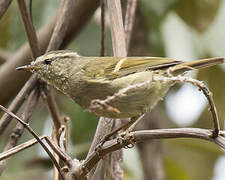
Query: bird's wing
{"type": "Point", "coordinates": [114, 67]}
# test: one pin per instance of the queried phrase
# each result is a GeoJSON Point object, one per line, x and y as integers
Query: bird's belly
{"type": "Point", "coordinates": [133, 103]}
{"type": "Point", "coordinates": [132, 95]}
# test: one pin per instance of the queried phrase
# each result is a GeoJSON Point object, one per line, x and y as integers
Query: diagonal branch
{"type": "Point", "coordinates": [4, 5]}
{"type": "Point", "coordinates": [29, 29]}
{"type": "Point", "coordinates": [26, 125]}
{"type": "Point", "coordinates": [17, 102]}
{"type": "Point", "coordinates": [19, 129]}
{"type": "Point", "coordinates": [129, 20]}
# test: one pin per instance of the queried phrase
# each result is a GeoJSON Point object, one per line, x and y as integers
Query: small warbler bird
{"type": "Point", "coordinates": [85, 79]}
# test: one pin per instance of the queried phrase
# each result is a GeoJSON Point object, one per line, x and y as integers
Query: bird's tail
{"type": "Point", "coordinates": [197, 64]}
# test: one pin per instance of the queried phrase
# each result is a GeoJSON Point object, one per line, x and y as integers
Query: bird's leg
{"type": "Point", "coordinates": [127, 127]}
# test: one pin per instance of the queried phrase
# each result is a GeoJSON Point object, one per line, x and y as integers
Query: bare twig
{"type": "Point", "coordinates": [53, 108]}
{"type": "Point", "coordinates": [30, 31]}
{"type": "Point", "coordinates": [18, 148]}
{"type": "Point", "coordinates": [63, 156]}
{"type": "Point", "coordinates": [102, 51]}
{"type": "Point", "coordinates": [129, 20]}
{"type": "Point", "coordinates": [104, 127]}
{"type": "Point", "coordinates": [19, 129]}
{"type": "Point", "coordinates": [17, 102]}
{"type": "Point", "coordinates": [64, 19]}
{"type": "Point", "coordinates": [206, 92]}
{"type": "Point", "coordinates": [117, 30]}
{"type": "Point", "coordinates": [4, 5]}
{"type": "Point", "coordinates": [26, 125]}
{"type": "Point", "coordinates": [139, 136]}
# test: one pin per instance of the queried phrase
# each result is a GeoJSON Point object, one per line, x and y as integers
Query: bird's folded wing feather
{"type": "Point", "coordinates": [119, 67]}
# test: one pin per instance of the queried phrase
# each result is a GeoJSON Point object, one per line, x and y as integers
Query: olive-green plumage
{"type": "Point", "coordinates": [87, 78]}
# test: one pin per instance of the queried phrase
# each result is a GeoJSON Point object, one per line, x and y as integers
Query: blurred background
{"type": "Point", "coordinates": [180, 29]}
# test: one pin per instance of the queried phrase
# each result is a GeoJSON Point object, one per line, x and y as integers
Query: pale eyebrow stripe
{"type": "Point", "coordinates": [118, 65]}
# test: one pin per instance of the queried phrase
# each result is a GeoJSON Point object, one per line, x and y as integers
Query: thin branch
{"type": "Point", "coordinates": [117, 30]}
{"type": "Point", "coordinates": [29, 28]}
{"type": "Point", "coordinates": [19, 129]}
{"type": "Point", "coordinates": [63, 156]}
{"type": "Point", "coordinates": [26, 125]}
{"type": "Point", "coordinates": [204, 89]}
{"type": "Point", "coordinates": [53, 108]}
{"type": "Point", "coordinates": [4, 5]}
{"type": "Point", "coordinates": [139, 136]}
{"type": "Point", "coordinates": [18, 148]}
{"type": "Point", "coordinates": [17, 102]}
{"type": "Point", "coordinates": [129, 20]}
{"type": "Point", "coordinates": [64, 18]}
{"type": "Point", "coordinates": [103, 33]}
{"type": "Point", "coordinates": [104, 127]}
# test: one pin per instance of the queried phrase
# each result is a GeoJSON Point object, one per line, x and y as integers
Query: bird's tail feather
{"type": "Point", "coordinates": [197, 64]}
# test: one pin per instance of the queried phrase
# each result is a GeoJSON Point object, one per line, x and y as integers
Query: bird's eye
{"type": "Point", "coordinates": [47, 61]}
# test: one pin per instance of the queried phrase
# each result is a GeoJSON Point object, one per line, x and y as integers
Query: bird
{"type": "Point", "coordinates": [87, 79]}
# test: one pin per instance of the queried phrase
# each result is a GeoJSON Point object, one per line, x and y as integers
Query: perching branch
{"type": "Point", "coordinates": [204, 89]}
{"type": "Point", "coordinates": [140, 136]}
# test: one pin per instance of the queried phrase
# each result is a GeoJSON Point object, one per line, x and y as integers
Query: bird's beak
{"type": "Point", "coordinates": [28, 67]}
